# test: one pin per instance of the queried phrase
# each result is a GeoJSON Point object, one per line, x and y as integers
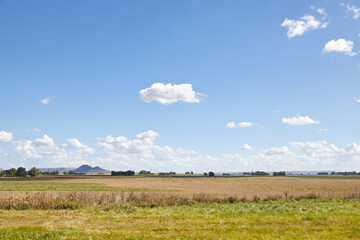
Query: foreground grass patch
{"type": "Point", "coordinates": [304, 219]}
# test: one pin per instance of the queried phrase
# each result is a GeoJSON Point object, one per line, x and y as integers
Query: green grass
{"type": "Point", "coordinates": [304, 219]}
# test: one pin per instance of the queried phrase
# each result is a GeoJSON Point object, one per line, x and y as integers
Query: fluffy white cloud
{"type": "Point", "coordinates": [341, 46]}
{"type": "Point", "coordinates": [74, 143]}
{"type": "Point", "coordinates": [314, 146]}
{"type": "Point", "coordinates": [45, 149]}
{"type": "Point", "coordinates": [241, 124]}
{"type": "Point", "coordinates": [304, 24]}
{"type": "Point", "coordinates": [45, 100]}
{"type": "Point", "coordinates": [170, 93]}
{"type": "Point", "coordinates": [354, 10]}
{"type": "Point", "coordinates": [299, 120]}
{"type": "Point", "coordinates": [5, 136]}
{"type": "Point", "coordinates": [357, 99]}
{"type": "Point", "coordinates": [143, 153]}
{"type": "Point", "coordinates": [275, 151]}
{"type": "Point", "coordinates": [245, 147]}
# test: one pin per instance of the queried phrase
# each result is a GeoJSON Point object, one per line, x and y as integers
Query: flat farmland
{"type": "Point", "coordinates": [322, 186]}
{"type": "Point", "coordinates": [104, 207]}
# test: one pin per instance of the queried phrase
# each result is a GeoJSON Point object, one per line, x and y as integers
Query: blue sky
{"type": "Point", "coordinates": [180, 85]}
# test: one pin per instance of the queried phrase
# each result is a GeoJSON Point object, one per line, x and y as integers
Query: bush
{"type": "Point", "coordinates": [211, 174]}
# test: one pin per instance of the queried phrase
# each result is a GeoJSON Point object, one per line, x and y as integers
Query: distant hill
{"type": "Point", "coordinates": [91, 170]}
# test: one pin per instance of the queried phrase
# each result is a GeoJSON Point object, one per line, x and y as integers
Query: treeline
{"type": "Point", "coordinates": [19, 172]}
{"type": "Point", "coordinates": [345, 173]}
{"type": "Point", "coordinates": [123, 173]}
{"type": "Point", "coordinates": [55, 172]}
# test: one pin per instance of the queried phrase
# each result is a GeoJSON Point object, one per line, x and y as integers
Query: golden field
{"type": "Point", "coordinates": [323, 186]}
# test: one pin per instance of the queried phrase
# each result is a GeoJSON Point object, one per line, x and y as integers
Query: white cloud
{"type": "Point", "coordinates": [275, 151]}
{"type": "Point", "coordinates": [241, 124]}
{"type": "Point", "coordinates": [142, 152]}
{"type": "Point", "coordinates": [231, 125]}
{"type": "Point", "coordinates": [37, 130]}
{"type": "Point", "coordinates": [323, 130]}
{"type": "Point", "coordinates": [45, 148]}
{"type": "Point", "coordinates": [310, 146]}
{"type": "Point", "coordinates": [45, 100]}
{"type": "Point", "coordinates": [6, 136]}
{"type": "Point", "coordinates": [170, 93]}
{"type": "Point", "coordinates": [357, 99]}
{"type": "Point", "coordinates": [246, 124]}
{"type": "Point", "coordinates": [322, 11]}
{"type": "Point", "coordinates": [354, 10]}
{"type": "Point", "coordinates": [341, 46]}
{"type": "Point", "coordinates": [299, 120]}
{"type": "Point", "coordinates": [74, 143]}
{"type": "Point", "coordinates": [245, 147]}
{"type": "Point", "coordinates": [304, 24]}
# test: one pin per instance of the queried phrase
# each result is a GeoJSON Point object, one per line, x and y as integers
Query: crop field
{"type": "Point", "coordinates": [104, 207]}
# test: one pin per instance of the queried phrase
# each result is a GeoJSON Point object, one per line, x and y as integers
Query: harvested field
{"type": "Point", "coordinates": [262, 187]}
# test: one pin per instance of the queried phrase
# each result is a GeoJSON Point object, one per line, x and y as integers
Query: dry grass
{"type": "Point", "coordinates": [128, 200]}
{"type": "Point", "coordinates": [248, 187]}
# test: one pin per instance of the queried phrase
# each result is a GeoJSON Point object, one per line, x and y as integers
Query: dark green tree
{"type": "Point", "coordinates": [211, 174]}
{"type": "Point", "coordinates": [21, 172]}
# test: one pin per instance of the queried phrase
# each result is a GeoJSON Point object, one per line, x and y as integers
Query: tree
{"type": "Point", "coordinates": [279, 173]}
{"type": "Point", "coordinates": [34, 172]}
{"type": "Point", "coordinates": [144, 172]}
{"type": "Point", "coordinates": [21, 172]}
{"type": "Point", "coordinates": [211, 174]}
{"type": "Point", "coordinates": [11, 172]}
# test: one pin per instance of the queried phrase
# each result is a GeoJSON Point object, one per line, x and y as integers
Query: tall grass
{"type": "Point", "coordinates": [127, 200]}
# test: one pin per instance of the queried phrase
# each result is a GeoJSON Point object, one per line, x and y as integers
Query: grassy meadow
{"type": "Point", "coordinates": [104, 207]}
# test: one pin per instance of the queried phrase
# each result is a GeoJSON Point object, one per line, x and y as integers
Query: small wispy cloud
{"type": "Point", "coordinates": [323, 130]}
{"type": "Point", "coordinates": [246, 147]}
{"type": "Point", "coordinates": [45, 100]}
{"type": "Point", "coordinates": [353, 10]}
{"type": "Point", "coordinates": [240, 125]}
{"type": "Point", "coordinates": [357, 99]}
